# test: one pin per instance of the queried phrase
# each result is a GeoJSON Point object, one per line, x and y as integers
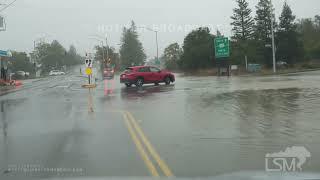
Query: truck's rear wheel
{"type": "Point", "coordinates": [139, 82]}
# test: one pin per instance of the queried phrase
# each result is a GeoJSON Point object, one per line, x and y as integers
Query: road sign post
{"type": "Point", "coordinates": [222, 52]}
{"type": "Point", "coordinates": [88, 71]}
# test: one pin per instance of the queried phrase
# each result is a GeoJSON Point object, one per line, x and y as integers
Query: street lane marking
{"type": "Point", "coordinates": [140, 148]}
{"type": "Point", "coordinates": [164, 167]}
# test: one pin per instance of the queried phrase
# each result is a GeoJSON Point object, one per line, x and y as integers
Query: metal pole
{"type": "Point", "coordinates": [273, 43]}
{"type": "Point", "coordinates": [107, 48]}
{"type": "Point", "coordinates": [102, 52]}
{"type": "Point", "coordinates": [246, 59]}
{"type": "Point", "coordinates": [34, 59]}
{"type": "Point", "coordinates": [157, 45]}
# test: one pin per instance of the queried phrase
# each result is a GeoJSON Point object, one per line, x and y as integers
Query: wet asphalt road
{"type": "Point", "coordinates": [200, 126]}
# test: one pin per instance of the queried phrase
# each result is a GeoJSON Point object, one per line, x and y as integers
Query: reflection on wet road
{"type": "Point", "coordinates": [200, 126]}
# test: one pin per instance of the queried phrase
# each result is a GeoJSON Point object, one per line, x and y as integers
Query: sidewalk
{"type": "Point", "coordinates": [6, 87]}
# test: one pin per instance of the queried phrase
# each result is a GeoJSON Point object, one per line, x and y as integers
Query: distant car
{"type": "Point", "coordinates": [56, 73]}
{"type": "Point", "coordinates": [140, 75]}
{"type": "Point", "coordinates": [20, 73]}
{"type": "Point", "coordinates": [282, 64]}
{"type": "Point", "coordinates": [108, 73]}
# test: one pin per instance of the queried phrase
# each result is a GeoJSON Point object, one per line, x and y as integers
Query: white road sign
{"type": "Point", "coordinates": [89, 63]}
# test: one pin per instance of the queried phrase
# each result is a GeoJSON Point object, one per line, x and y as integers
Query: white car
{"type": "Point", "coordinates": [56, 73]}
{"type": "Point", "coordinates": [21, 73]}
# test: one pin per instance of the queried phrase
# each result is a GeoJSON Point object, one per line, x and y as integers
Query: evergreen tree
{"type": "Point", "coordinates": [131, 51]}
{"type": "Point", "coordinates": [264, 15]}
{"type": "Point", "coordinates": [263, 20]}
{"type": "Point", "coordinates": [243, 29]}
{"type": "Point", "coordinates": [287, 19]}
{"type": "Point", "coordinates": [290, 48]}
{"type": "Point", "coordinates": [72, 57]}
{"type": "Point", "coordinates": [242, 22]}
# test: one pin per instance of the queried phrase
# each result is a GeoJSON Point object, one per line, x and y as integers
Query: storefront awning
{"type": "Point", "coordinates": [5, 53]}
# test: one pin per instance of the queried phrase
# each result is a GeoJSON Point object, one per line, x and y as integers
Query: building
{"type": "Point", "coordinates": [4, 58]}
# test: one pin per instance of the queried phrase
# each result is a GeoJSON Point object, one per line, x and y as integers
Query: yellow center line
{"type": "Point", "coordinates": [140, 148]}
{"type": "Point", "coordinates": [164, 167]}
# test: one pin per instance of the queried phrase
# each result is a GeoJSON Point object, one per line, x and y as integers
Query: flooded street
{"type": "Point", "coordinates": [229, 124]}
{"type": "Point", "coordinates": [180, 90]}
{"type": "Point", "coordinates": [199, 127]}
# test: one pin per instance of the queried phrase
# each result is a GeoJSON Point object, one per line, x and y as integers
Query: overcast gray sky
{"type": "Point", "coordinates": [73, 21]}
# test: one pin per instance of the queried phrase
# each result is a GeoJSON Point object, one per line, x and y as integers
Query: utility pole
{"type": "Point", "coordinates": [273, 43]}
{"type": "Point", "coordinates": [107, 48]}
{"type": "Point", "coordinates": [246, 60]}
{"type": "Point", "coordinates": [2, 21]}
{"type": "Point", "coordinates": [103, 54]}
{"type": "Point", "coordinates": [101, 40]}
{"type": "Point", "coordinates": [157, 45]}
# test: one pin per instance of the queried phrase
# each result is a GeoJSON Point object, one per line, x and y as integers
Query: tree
{"type": "Point", "coordinates": [317, 21]}
{"type": "Point", "coordinates": [250, 49]}
{"type": "Point", "coordinates": [112, 55]}
{"type": "Point", "coordinates": [289, 46]}
{"type": "Point", "coordinates": [264, 15]}
{"type": "Point", "coordinates": [172, 55]}
{"type": "Point", "coordinates": [198, 50]}
{"type": "Point", "coordinates": [131, 51]}
{"type": "Point", "coordinates": [72, 51]}
{"type": "Point", "coordinates": [243, 30]}
{"type": "Point", "coordinates": [54, 56]}
{"type": "Point", "coordinates": [310, 33]}
{"type": "Point", "coordinates": [72, 57]}
{"type": "Point", "coordinates": [263, 20]}
{"type": "Point", "coordinates": [20, 62]}
{"type": "Point", "coordinates": [287, 19]}
{"type": "Point", "coordinates": [242, 21]}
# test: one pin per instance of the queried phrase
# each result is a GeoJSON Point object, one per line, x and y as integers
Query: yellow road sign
{"type": "Point", "coordinates": [88, 71]}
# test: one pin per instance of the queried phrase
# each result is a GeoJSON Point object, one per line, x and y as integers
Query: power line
{"type": "Point", "coordinates": [8, 5]}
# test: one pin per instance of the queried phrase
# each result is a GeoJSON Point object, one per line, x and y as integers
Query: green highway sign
{"type": "Point", "coordinates": [222, 47]}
